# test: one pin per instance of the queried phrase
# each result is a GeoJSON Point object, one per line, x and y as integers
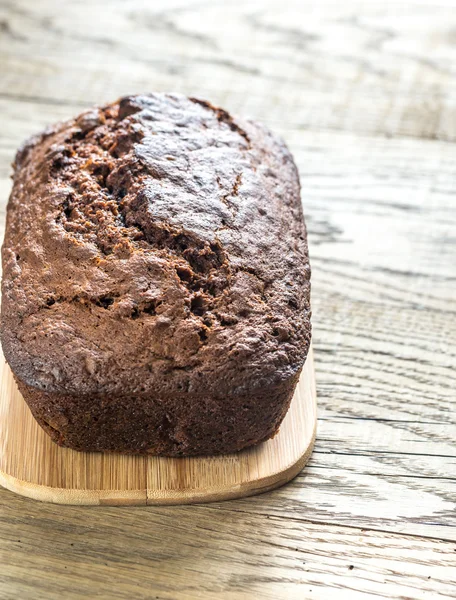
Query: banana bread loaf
{"type": "Point", "coordinates": [155, 293]}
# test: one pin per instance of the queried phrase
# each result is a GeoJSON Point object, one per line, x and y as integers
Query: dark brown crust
{"type": "Point", "coordinates": [151, 425]}
{"type": "Point", "coordinates": [156, 282]}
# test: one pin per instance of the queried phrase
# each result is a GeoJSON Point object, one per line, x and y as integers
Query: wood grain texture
{"type": "Point", "coordinates": [32, 465]}
{"type": "Point", "coordinates": [202, 552]}
{"type": "Point", "coordinates": [371, 67]}
{"type": "Point", "coordinates": [365, 95]}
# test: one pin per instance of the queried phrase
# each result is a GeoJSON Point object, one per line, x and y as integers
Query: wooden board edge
{"type": "Point", "coordinates": [250, 488]}
{"type": "Point", "coordinates": [54, 495]}
{"type": "Point", "coordinates": [43, 493]}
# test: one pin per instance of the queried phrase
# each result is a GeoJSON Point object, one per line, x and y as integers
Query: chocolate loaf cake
{"type": "Point", "coordinates": [156, 279]}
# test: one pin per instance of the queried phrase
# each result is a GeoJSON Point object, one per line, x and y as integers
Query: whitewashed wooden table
{"type": "Point", "coordinates": [365, 95]}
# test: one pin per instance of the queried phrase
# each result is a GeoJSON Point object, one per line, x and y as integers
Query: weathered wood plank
{"type": "Point", "coordinates": [381, 68]}
{"type": "Point", "coordinates": [201, 552]}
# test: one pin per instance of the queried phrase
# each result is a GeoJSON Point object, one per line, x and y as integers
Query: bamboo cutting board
{"type": "Point", "coordinates": [34, 466]}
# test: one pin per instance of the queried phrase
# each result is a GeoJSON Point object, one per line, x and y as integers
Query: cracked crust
{"type": "Point", "coordinates": [156, 279]}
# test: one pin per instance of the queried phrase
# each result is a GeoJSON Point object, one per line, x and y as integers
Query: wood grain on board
{"type": "Point", "coordinates": [365, 95]}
